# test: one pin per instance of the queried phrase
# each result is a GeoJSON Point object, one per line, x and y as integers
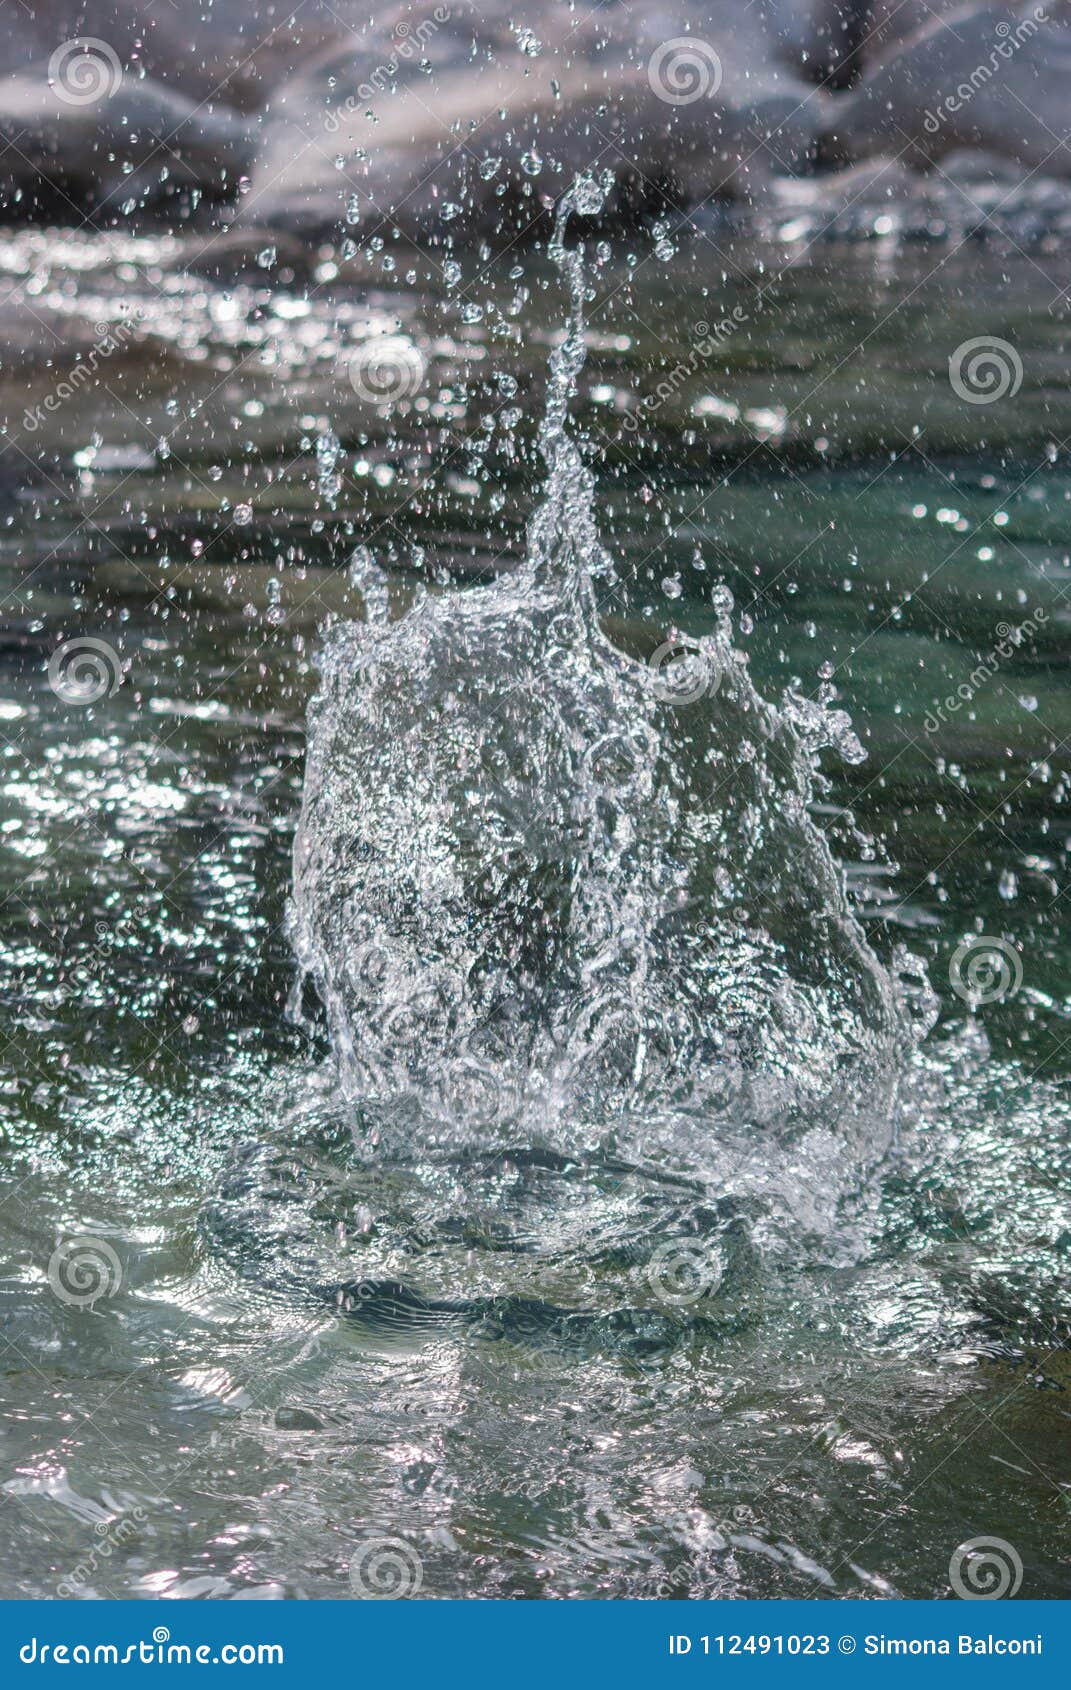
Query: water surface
{"type": "Point", "coordinates": [876, 1368]}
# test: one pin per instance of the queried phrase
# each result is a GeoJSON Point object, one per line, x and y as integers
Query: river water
{"type": "Point", "coordinates": [659, 1209]}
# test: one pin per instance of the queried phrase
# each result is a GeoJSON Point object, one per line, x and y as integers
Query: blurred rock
{"type": "Point", "coordinates": [435, 121]}
{"type": "Point", "coordinates": [995, 79]}
{"type": "Point", "coordinates": [468, 119]}
{"type": "Point", "coordinates": [64, 151]}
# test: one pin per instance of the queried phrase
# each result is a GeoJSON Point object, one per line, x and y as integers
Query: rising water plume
{"type": "Point", "coordinates": [547, 892]}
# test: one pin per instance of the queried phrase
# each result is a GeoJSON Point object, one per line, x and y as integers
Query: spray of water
{"type": "Point", "coordinates": [548, 892]}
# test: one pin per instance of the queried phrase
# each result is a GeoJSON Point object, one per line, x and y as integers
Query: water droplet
{"type": "Point", "coordinates": [663, 246]}
{"type": "Point", "coordinates": [589, 195]}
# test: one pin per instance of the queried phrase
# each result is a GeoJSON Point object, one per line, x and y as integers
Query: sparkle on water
{"type": "Point", "coordinates": [629, 1234]}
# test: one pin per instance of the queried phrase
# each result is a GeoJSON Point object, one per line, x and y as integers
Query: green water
{"type": "Point", "coordinates": [852, 1412]}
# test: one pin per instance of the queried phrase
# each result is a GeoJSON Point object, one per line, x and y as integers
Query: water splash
{"type": "Point", "coordinates": [547, 891]}
{"type": "Point", "coordinates": [328, 452]}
